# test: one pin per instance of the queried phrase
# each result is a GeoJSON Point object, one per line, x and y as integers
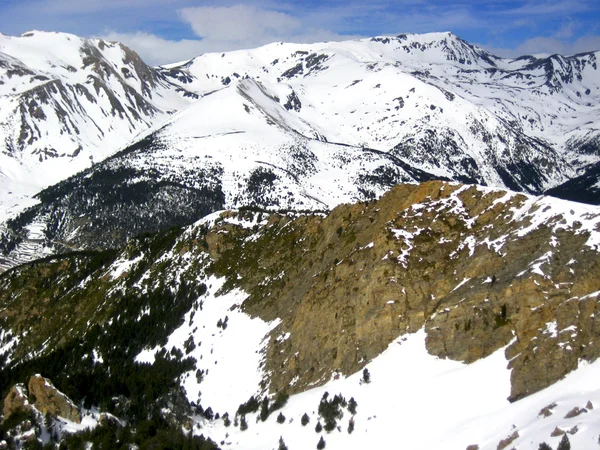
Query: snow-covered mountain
{"type": "Point", "coordinates": [66, 102]}
{"type": "Point", "coordinates": [304, 126]}
{"type": "Point", "coordinates": [434, 100]}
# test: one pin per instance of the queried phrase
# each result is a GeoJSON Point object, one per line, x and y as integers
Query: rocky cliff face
{"type": "Point", "coordinates": [16, 401]}
{"type": "Point", "coordinates": [42, 397]}
{"type": "Point", "coordinates": [476, 268]}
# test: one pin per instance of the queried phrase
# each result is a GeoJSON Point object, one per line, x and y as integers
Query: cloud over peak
{"type": "Point", "coordinates": [240, 23]}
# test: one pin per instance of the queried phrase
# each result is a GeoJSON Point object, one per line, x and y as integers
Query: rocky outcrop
{"type": "Point", "coordinates": [16, 401]}
{"type": "Point", "coordinates": [470, 265]}
{"type": "Point", "coordinates": [49, 400]}
{"type": "Point", "coordinates": [479, 270]}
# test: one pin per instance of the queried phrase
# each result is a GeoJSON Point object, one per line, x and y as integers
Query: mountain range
{"type": "Point", "coordinates": [286, 125]}
{"type": "Point", "coordinates": [357, 242]}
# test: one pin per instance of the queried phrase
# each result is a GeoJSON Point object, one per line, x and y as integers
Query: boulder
{"type": "Point", "coordinates": [49, 400]}
{"type": "Point", "coordinates": [575, 412]}
{"type": "Point", "coordinates": [16, 401]}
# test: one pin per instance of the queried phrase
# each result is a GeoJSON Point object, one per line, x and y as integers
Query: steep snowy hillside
{"type": "Point", "coordinates": [235, 147]}
{"type": "Point", "coordinates": [66, 102]}
{"type": "Point", "coordinates": [439, 316]}
{"type": "Point", "coordinates": [440, 103]}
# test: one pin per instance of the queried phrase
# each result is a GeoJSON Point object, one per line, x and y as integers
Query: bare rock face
{"type": "Point", "coordinates": [16, 401]}
{"type": "Point", "coordinates": [469, 265]}
{"type": "Point", "coordinates": [506, 442]}
{"type": "Point", "coordinates": [48, 399]}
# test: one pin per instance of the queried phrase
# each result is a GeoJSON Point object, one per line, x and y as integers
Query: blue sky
{"type": "Point", "coordinates": [165, 31]}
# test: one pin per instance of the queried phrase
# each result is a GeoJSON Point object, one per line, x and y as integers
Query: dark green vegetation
{"type": "Point", "coordinates": [583, 188]}
{"type": "Point", "coordinates": [265, 405]}
{"type": "Point", "coordinates": [330, 409]}
{"type": "Point", "coordinates": [116, 200]}
{"type": "Point", "coordinates": [152, 433]}
{"type": "Point", "coordinates": [105, 322]}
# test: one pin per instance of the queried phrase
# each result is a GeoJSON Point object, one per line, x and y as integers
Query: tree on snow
{"type": "Point", "coordinates": [321, 444]}
{"type": "Point", "coordinates": [564, 443]}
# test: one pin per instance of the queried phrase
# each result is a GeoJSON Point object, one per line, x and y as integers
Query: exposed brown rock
{"type": "Point", "coordinates": [557, 432]}
{"type": "Point", "coordinates": [546, 411]}
{"type": "Point", "coordinates": [16, 401]}
{"type": "Point", "coordinates": [354, 282]}
{"type": "Point", "coordinates": [472, 447]}
{"type": "Point", "coordinates": [49, 400]}
{"type": "Point", "coordinates": [575, 412]}
{"type": "Point", "coordinates": [573, 430]}
{"type": "Point", "coordinates": [507, 441]}
{"type": "Point", "coordinates": [589, 406]}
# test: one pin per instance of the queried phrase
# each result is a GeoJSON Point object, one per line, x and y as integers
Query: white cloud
{"type": "Point", "coordinates": [567, 30]}
{"type": "Point", "coordinates": [222, 29]}
{"type": "Point", "coordinates": [553, 45]}
{"type": "Point", "coordinates": [549, 46]}
{"type": "Point", "coordinates": [155, 50]}
{"type": "Point", "coordinates": [240, 23]}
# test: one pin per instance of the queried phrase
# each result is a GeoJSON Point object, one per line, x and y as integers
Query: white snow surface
{"type": "Point", "coordinates": [419, 401]}
{"type": "Point", "coordinates": [231, 357]}
{"type": "Point", "coordinates": [58, 113]}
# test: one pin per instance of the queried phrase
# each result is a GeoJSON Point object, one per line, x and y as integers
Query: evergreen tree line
{"type": "Point", "coordinates": [132, 391]}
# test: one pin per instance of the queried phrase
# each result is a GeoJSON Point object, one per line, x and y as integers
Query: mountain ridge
{"type": "Point", "coordinates": [443, 271]}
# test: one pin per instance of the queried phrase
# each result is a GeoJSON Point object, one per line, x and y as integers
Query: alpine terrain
{"type": "Point", "coordinates": [382, 242]}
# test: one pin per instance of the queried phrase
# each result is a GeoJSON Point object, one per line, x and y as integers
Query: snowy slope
{"type": "Point", "coordinates": [66, 102]}
{"type": "Point", "coordinates": [494, 115]}
{"type": "Point", "coordinates": [418, 401]}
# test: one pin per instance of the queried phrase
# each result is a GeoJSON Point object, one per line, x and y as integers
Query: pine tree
{"type": "Point", "coordinates": [351, 426]}
{"type": "Point", "coordinates": [280, 418]}
{"type": "Point", "coordinates": [243, 423]}
{"type": "Point", "coordinates": [352, 406]}
{"type": "Point", "coordinates": [564, 443]}
{"type": "Point", "coordinates": [319, 427]}
{"type": "Point", "coordinates": [264, 409]}
{"type": "Point", "coordinates": [544, 446]}
{"type": "Point", "coordinates": [321, 444]}
{"type": "Point", "coordinates": [366, 378]}
{"type": "Point", "coordinates": [305, 419]}
{"type": "Point", "coordinates": [282, 445]}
